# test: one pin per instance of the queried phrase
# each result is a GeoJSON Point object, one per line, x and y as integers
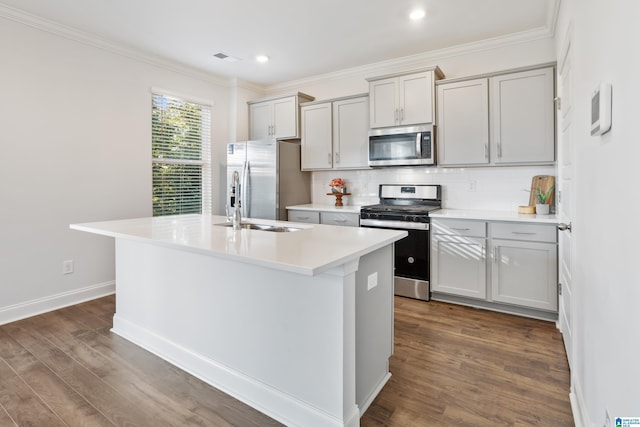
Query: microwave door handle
{"type": "Point", "coordinates": [419, 144]}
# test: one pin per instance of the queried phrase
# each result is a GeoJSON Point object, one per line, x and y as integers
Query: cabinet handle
{"type": "Point", "coordinates": [337, 157]}
{"type": "Point", "coordinates": [339, 220]}
{"type": "Point", "coordinates": [270, 131]}
{"type": "Point", "coordinates": [395, 116]}
{"type": "Point", "coordinates": [460, 229]}
{"type": "Point", "coordinates": [486, 150]}
{"type": "Point", "coordinates": [495, 254]}
{"type": "Point", "coordinates": [273, 130]}
{"type": "Point", "coordinates": [499, 149]}
{"type": "Point", "coordinates": [530, 233]}
{"type": "Point", "coordinates": [329, 158]}
{"type": "Point", "coordinates": [304, 218]}
{"type": "Point", "coordinates": [401, 115]}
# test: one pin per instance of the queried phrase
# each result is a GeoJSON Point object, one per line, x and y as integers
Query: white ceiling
{"type": "Point", "coordinates": [303, 38]}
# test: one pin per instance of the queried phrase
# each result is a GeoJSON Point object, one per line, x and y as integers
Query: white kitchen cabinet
{"type": "Point", "coordinates": [510, 123]}
{"type": "Point", "coordinates": [276, 117]}
{"type": "Point", "coordinates": [327, 215]}
{"type": "Point", "coordinates": [317, 137]}
{"type": "Point", "coordinates": [340, 218]}
{"type": "Point", "coordinates": [524, 267]}
{"type": "Point", "coordinates": [458, 264]}
{"type": "Point", "coordinates": [522, 117]}
{"type": "Point", "coordinates": [351, 133]}
{"type": "Point", "coordinates": [402, 100]}
{"type": "Point", "coordinates": [513, 268]}
{"type": "Point", "coordinates": [335, 134]}
{"type": "Point", "coordinates": [311, 217]}
{"type": "Point", "coordinates": [463, 123]}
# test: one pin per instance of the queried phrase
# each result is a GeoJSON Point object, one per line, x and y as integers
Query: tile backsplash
{"type": "Point", "coordinates": [487, 188]}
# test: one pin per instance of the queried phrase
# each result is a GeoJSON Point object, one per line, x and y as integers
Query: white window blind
{"type": "Point", "coordinates": [181, 156]}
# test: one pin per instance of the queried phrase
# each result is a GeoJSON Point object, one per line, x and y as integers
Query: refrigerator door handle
{"type": "Point", "coordinates": [245, 191]}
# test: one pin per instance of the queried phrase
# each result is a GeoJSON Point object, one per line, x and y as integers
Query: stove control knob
{"type": "Point", "coordinates": [411, 260]}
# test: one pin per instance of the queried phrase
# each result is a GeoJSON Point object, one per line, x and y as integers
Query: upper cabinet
{"type": "Point", "coordinates": [276, 118]}
{"type": "Point", "coordinates": [522, 117]}
{"type": "Point", "coordinates": [335, 134]}
{"type": "Point", "coordinates": [505, 119]}
{"type": "Point", "coordinates": [402, 100]}
{"type": "Point", "coordinates": [463, 123]}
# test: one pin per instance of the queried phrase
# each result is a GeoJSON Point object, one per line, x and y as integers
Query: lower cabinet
{"type": "Point", "coordinates": [524, 268]}
{"type": "Point", "coordinates": [312, 217]}
{"type": "Point", "coordinates": [458, 252]}
{"type": "Point", "coordinates": [497, 264]}
{"type": "Point", "coordinates": [346, 219]}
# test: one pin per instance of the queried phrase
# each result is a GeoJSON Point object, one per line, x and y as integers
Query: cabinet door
{"type": "Point", "coordinates": [316, 139]}
{"type": "Point", "coordinates": [383, 108]}
{"type": "Point", "coordinates": [522, 110]}
{"type": "Point", "coordinates": [285, 118]}
{"type": "Point", "coordinates": [416, 99]}
{"type": "Point", "coordinates": [525, 273]}
{"type": "Point", "coordinates": [458, 266]}
{"type": "Point", "coordinates": [351, 133]}
{"type": "Point", "coordinates": [463, 123]}
{"type": "Point", "coordinates": [260, 116]}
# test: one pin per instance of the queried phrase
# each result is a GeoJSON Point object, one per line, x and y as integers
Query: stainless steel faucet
{"type": "Point", "coordinates": [236, 217]}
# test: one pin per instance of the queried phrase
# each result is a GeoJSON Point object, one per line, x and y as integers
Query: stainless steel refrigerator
{"type": "Point", "coordinates": [270, 178]}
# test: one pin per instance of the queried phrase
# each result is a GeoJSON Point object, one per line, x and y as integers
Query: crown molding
{"type": "Point", "coordinates": [420, 60]}
{"type": "Point", "coordinates": [70, 33]}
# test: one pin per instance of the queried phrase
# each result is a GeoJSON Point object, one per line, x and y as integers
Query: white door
{"type": "Point", "coordinates": [565, 200]}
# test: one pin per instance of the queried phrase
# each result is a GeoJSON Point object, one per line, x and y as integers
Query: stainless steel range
{"type": "Point", "coordinates": [406, 207]}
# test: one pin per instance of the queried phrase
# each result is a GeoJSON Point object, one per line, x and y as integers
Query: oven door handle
{"type": "Point", "coordinates": [402, 225]}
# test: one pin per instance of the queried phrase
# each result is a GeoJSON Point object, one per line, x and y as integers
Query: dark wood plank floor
{"type": "Point", "coordinates": [453, 366]}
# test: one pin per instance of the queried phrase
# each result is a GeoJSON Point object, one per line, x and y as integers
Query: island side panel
{"type": "Point", "coordinates": [374, 324]}
{"type": "Point", "coordinates": [282, 342]}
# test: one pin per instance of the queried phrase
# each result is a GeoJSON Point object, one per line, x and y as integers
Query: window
{"type": "Point", "coordinates": [181, 159]}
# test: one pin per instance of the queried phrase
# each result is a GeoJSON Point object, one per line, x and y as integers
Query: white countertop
{"type": "Point", "coordinates": [325, 208]}
{"type": "Point", "coordinates": [313, 249]}
{"type": "Point", "coordinates": [494, 216]}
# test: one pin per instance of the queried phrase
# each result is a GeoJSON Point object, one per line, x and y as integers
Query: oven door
{"type": "Point", "coordinates": [411, 258]}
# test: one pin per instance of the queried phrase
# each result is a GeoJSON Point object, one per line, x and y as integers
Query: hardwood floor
{"type": "Point", "coordinates": [453, 366]}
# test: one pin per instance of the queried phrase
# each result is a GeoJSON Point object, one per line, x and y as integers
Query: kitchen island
{"type": "Point", "coordinates": [297, 324]}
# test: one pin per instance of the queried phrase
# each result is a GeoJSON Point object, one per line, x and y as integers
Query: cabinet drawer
{"type": "Point", "coordinates": [349, 220]}
{"type": "Point", "coordinates": [312, 217]}
{"type": "Point", "coordinates": [531, 232]}
{"type": "Point", "coordinates": [460, 227]}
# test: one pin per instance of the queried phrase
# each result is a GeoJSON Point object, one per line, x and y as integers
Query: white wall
{"type": "Point", "coordinates": [606, 277]}
{"type": "Point", "coordinates": [75, 147]}
{"type": "Point", "coordinates": [503, 188]}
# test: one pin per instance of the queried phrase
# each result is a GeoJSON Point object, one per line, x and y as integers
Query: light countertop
{"type": "Point", "coordinates": [313, 249]}
{"type": "Point", "coordinates": [494, 216]}
{"type": "Point", "coordinates": [325, 208]}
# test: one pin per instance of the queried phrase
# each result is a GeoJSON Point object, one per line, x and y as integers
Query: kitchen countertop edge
{"type": "Point", "coordinates": [326, 208]}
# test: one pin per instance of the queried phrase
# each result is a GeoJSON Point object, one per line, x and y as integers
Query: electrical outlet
{"type": "Point", "coordinates": [372, 281]}
{"type": "Point", "coordinates": [472, 186]}
{"type": "Point", "coordinates": [67, 266]}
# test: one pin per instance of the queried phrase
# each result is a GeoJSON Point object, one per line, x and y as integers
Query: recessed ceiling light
{"type": "Point", "coordinates": [262, 58]}
{"type": "Point", "coordinates": [417, 14]}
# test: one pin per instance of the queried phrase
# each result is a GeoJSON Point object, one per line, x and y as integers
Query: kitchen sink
{"type": "Point", "coordinates": [261, 227]}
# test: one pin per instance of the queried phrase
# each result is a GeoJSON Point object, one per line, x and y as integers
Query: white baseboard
{"type": "Point", "coordinates": [23, 310]}
{"type": "Point", "coordinates": [580, 417]}
{"type": "Point", "coordinates": [268, 400]}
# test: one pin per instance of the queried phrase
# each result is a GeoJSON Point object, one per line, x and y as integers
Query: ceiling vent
{"type": "Point", "coordinates": [227, 58]}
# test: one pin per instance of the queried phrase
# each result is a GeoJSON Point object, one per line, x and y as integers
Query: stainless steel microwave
{"type": "Point", "coordinates": [402, 146]}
